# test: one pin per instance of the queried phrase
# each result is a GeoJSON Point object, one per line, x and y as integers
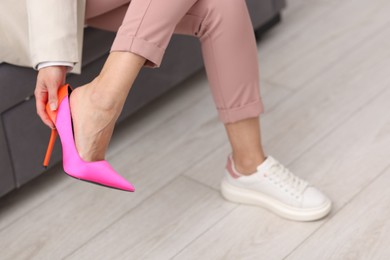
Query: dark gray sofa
{"type": "Point", "coordinates": [23, 137]}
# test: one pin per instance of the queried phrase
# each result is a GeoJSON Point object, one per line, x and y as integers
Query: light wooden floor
{"type": "Point", "coordinates": [325, 83]}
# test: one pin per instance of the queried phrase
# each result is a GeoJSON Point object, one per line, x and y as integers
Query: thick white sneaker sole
{"type": "Point", "coordinates": [245, 196]}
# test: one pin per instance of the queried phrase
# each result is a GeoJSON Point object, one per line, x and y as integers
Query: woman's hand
{"type": "Point", "coordinates": [48, 81]}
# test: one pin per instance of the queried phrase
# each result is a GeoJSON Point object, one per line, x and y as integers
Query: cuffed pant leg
{"type": "Point", "coordinates": [148, 26]}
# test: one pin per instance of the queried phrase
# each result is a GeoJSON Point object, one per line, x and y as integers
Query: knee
{"type": "Point", "coordinates": [223, 12]}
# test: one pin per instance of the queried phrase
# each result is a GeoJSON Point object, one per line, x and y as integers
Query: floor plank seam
{"type": "Point", "coordinates": [381, 173]}
{"type": "Point", "coordinates": [277, 85]}
{"type": "Point", "coordinates": [201, 183]}
{"type": "Point", "coordinates": [205, 231]}
{"type": "Point", "coordinates": [291, 89]}
{"type": "Point", "coordinates": [195, 164]}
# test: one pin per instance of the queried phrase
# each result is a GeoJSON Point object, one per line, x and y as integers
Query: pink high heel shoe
{"type": "Point", "coordinates": [99, 172]}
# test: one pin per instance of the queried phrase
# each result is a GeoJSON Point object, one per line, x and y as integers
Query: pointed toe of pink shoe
{"type": "Point", "coordinates": [113, 180]}
{"type": "Point", "coordinates": [99, 172]}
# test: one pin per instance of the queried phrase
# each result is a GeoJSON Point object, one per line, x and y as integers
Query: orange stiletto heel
{"type": "Point", "coordinates": [50, 147]}
{"type": "Point", "coordinates": [54, 133]}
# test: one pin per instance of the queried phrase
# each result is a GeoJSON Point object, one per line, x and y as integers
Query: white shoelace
{"type": "Point", "coordinates": [287, 179]}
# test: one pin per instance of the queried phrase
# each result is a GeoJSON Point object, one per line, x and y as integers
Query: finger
{"type": "Point", "coordinates": [53, 99]}
{"type": "Point", "coordinates": [41, 111]}
{"type": "Point", "coordinates": [40, 101]}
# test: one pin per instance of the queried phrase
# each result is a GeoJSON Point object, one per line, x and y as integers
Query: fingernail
{"type": "Point", "coordinates": [53, 107]}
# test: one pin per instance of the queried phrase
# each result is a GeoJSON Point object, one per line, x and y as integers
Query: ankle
{"type": "Point", "coordinates": [247, 165]}
{"type": "Point", "coordinates": [100, 97]}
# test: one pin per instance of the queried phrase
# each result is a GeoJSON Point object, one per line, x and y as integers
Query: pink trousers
{"type": "Point", "coordinates": [144, 27]}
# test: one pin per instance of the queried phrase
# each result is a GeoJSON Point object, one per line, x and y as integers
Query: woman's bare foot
{"type": "Point", "coordinates": [96, 106]}
{"type": "Point", "coordinates": [93, 122]}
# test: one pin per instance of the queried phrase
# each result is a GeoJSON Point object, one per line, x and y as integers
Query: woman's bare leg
{"type": "Point", "coordinates": [96, 106]}
{"type": "Point", "coordinates": [245, 140]}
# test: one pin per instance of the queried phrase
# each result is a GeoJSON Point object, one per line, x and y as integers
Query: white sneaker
{"type": "Point", "coordinates": [277, 189]}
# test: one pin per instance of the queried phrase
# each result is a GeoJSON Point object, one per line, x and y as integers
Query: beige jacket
{"type": "Point", "coordinates": [34, 31]}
